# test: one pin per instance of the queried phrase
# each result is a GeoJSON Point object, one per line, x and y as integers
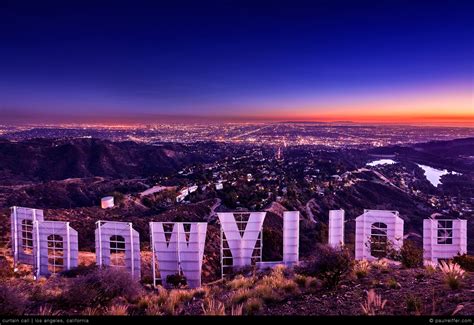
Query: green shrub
{"type": "Point", "coordinates": [330, 265]}
{"type": "Point", "coordinates": [393, 284]}
{"type": "Point", "coordinates": [411, 255]}
{"type": "Point", "coordinates": [301, 280]}
{"type": "Point", "coordinates": [465, 261]}
{"type": "Point", "coordinates": [100, 287]}
{"type": "Point", "coordinates": [5, 269]}
{"type": "Point", "coordinates": [12, 302]}
{"type": "Point", "coordinates": [414, 305]}
{"type": "Point", "coordinates": [79, 271]}
{"type": "Point", "coordinates": [176, 280]}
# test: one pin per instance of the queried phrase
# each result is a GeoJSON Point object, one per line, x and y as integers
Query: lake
{"type": "Point", "coordinates": [381, 162]}
{"type": "Point", "coordinates": [433, 175]}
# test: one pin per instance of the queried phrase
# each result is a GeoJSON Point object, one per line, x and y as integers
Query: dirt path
{"type": "Point", "coordinates": [213, 214]}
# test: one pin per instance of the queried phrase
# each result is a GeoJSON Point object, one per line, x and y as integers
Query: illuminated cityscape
{"type": "Point", "coordinates": [336, 135]}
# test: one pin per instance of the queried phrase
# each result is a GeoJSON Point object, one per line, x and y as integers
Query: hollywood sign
{"type": "Point", "coordinates": [177, 247]}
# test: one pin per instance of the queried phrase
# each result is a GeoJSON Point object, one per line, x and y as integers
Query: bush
{"type": "Point", "coordinates": [330, 265]}
{"type": "Point", "coordinates": [272, 243]}
{"type": "Point", "coordinates": [411, 255]}
{"type": "Point", "coordinates": [100, 287]}
{"type": "Point", "coordinates": [151, 304]}
{"type": "Point", "coordinates": [240, 296]}
{"type": "Point", "coordinates": [392, 283]}
{"type": "Point", "coordinates": [12, 302]}
{"type": "Point", "coordinates": [119, 197]}
{"type": "Point", "coordinates": [414, 305]}
{"type": "Point", "coordinates": [176, 280]}
{"type": "Point", "coordinates": [430, 267]}
{"type": "Point", "coordinates": [266, 293]}
{"type": "Point", "coordinates": [79, 271]}
{"type": "Point", "coordinates": [253, 305]}
{"type": "Point", "coordinates": [5, 269]}
{"type": "Point", "coordinates": [301, 280]}
{"type": "Point", "coordinates": [381, 264]}
{"type": "Point", "coordinates": [465, 261]}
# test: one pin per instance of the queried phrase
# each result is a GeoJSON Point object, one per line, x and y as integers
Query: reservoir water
{"type": "Point", "coordinates": [433, 175]}
{"type": "Point", "coordinates": [382, 162]}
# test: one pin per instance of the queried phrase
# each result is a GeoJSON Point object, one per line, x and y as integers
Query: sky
{"type": "Point", "coordinates": [368, 61]}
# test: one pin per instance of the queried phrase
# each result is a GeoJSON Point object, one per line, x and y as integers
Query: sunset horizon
{"type": "Point", "coordinates": [246, 61]}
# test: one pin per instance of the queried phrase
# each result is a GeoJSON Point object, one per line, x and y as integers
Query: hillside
{"type": "Point", "coordinates": [41, 160]}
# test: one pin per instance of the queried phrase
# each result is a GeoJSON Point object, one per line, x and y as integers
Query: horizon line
{"type": "Point", "coordinates": [14, 117]}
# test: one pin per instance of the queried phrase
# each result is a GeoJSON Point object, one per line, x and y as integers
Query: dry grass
{"type": "Point", "coordinates": [414, 305]}
{"type": "Point", "coordinates": [117, 310]}
{"type": "Point", "coordinates": [152, 304]}
{"type": "Point", "coordinates": [168, 302]}
{"type": "Point", "coordinates": [361, 268]}
{"type": "Point", "coordinates": [271, 288]}
{"type": "Point", "coordinates": [453, 274]}
{"type": "Point", "coordinates": [241, 282]}
{"type": "Point", "coordinates": [306, 282]}
{"type": "Point", "coordinates": [91, 311]}
{"type": "Point", "coordinates": [393, 284]}
{"type": "Point", "coordinates": [47, 310]}
{"type": "Point", "coordinates": [252, 306]}
{"type": "Point", "coordinates": [237, 310]}
{"type": "Point", "coordinates": [266, 293]}
{"type": "Point", "coordinates": [374, 304]}
{"type": "Point", "coordinates": [202, 292]}
{"type": "Point", "coordinates": [212, 307]}
{"type": "Point", "coordinates": [102, 286]}
{"type": "Point", "coordinates": [12, 299]}
{"type": "Point", "coordinates": [381, 264]}
{"type": "Point", "coordinates": [175, 299]}
{"type": "Point", "coordinates": [86, 258]}
{"type": "Point", "coordinates": [430, 267]}
{"type": "Point", "coordinates": [241, 296]}
{"type": "Point", "coordinates": [301, 280]}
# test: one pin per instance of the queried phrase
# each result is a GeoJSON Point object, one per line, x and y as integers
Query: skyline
{"type": "Point", "coordinates": [367, 62]}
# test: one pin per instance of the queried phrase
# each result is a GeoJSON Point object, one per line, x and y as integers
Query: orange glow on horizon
{"type": "Point", "coordinates": [436, 108]}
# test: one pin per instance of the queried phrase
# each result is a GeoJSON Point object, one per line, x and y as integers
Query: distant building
{"type": "Point", "coordinates": [336, 178]}
{"type": "Point", "coordinates": [219, 186]}
{"type": "Point", "coordinates": [346, 175]}
{"type": "Point", "coordinates": [180, 198]}
{"type": "Point", "coordinates": [107, 202]}
{"type": "Point", "coordinates": [279, 155]}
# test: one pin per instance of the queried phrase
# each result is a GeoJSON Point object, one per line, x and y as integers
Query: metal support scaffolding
{"type": "Point", "coordinates": [241, 240]}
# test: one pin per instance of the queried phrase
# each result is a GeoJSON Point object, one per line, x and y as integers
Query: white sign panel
{"type": "Point", "coordinates": [178, 247]}
{"type": "Point", "coordinates": [374, 230]}
{"type": "Point", "coordinates": [55, 247]}
{"type": "Point", "coordinates": [444, 238]}
{"type": "Point", "coordinates": [336, 228]}
{"type": "Point", "coordinates": [22, 220]}
{"type": "Point", "coordinates": [117, 244]}
{"type": "Point", "coordinates": [243, 233]}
